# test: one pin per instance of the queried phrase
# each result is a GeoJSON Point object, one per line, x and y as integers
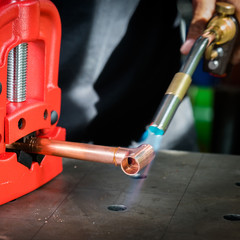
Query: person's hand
{"type": "Point", "coordinates": [202, 12]}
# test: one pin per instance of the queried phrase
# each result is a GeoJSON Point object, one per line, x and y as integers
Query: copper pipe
{"type": "Point", "coordinates": [132, 160]}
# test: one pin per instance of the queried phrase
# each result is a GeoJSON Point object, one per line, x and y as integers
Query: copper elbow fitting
{"type": "Point", "coordinates": [138, 159]}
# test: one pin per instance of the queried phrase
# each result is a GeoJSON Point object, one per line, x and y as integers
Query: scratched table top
{"type": "Point", "coordinates": [182, 195]}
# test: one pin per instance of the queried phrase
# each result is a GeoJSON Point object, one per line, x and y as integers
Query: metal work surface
{"type": "Point", "coordinates": [183, 196]}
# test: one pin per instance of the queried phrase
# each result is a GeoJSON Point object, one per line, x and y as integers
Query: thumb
{"type": "Point", "coordinates": [202, 12]}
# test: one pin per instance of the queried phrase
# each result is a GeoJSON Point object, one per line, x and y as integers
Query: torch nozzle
{"type": "Point", "coordinates": [132, 160]}
{"type": "Point", "coordinates": [178, 87]}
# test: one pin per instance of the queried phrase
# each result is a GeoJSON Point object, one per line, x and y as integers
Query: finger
{"type": "Point", "coordinates": [202, 12]}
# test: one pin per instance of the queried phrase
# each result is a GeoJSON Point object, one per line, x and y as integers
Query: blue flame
{"type": "Point", "coordinates": [150, 138]}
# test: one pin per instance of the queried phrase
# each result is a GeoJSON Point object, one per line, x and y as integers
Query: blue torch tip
{"type": "Point", "coordinates": [155, 130]}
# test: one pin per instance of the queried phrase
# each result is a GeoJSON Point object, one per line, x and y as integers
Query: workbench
{"type": "Point", "coordinates": [185, 195]}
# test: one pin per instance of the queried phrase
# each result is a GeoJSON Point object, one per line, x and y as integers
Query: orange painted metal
{"type": "Point", "coordinates": [37, 23]}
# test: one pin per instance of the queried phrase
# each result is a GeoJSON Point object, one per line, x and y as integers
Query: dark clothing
{"type": "Point", "coordinates": [137, 74]}
{"type": "Point", "coordinates": [135, 77]}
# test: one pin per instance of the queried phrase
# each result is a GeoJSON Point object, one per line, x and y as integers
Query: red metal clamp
{"type": "Point", "coordinates": [30, 35]}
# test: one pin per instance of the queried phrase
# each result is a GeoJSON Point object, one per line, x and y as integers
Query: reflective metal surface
{"type": "Point", "coordinates": [194, 56]}
{"type": "Point", "coordinates": [165, 114]}
{"type": "Point", "coordinates": [17, 73]}
{"type": "Point", "coordinates": [184, 196]}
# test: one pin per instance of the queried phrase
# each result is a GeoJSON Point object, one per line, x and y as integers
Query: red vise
{"type": "Point", "coordinates": [30, 35]}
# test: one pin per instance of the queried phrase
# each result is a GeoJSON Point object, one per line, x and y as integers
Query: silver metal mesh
{"type": "Point", "coordinates": [16, 73]}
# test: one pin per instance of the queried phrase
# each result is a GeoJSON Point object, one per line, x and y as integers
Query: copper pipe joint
{"type": "Point", "coordinates": [138, 159]}
{"type": "Point", "coordinates": [132, 160]}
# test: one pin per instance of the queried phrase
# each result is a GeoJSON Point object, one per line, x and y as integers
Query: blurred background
{"type": "Point", "coordinates": [215, 102]}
